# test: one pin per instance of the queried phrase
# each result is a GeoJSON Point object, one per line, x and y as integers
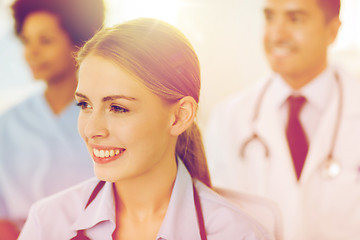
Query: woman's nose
{"type": "Point", "coordinates": [31, 49]}
{"type": "Point", "coordinates": [96, 126]}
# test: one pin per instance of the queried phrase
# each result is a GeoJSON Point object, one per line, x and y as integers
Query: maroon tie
{"type": "Point", "coordinates": [295, 134]}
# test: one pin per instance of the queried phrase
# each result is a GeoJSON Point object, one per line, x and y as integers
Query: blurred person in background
{"type": "Point", "coordinates": [41, 151]}
{"type": "Point", "coordinates": [294, 137]}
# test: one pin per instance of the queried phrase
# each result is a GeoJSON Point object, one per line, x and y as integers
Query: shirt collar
{"type": "Point", "coordinates": [317, 92]}
{"type": "Point", "coordinates": [280, 90]}
{"type": "Point", "coordinates": [180, 221]}
{"type": "Point", "coordinates": [101, 209]}
{"type": "Point", "coordinates": [43, 106]}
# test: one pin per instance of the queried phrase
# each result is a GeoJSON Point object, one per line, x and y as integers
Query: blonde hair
{"type": "Point", "coordinates": [163, 59]}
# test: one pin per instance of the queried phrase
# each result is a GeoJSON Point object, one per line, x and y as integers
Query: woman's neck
{"type": "Point", "coordinates": [148, 193]}
{"type": "Point", "coordinates": [142, 202]}
{"type": "Point", "coordinates": [59, 94]}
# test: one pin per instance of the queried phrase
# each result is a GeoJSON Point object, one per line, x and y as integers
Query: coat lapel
{"type": "Point", "coordinates": [319, 148]}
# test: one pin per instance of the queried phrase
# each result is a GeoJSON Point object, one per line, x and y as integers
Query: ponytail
{"type": "Point", "coordinates": [190, 149]}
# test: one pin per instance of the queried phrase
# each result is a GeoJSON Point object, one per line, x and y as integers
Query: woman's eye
{"type": "Point", "coordinates": [83, 105]}
{"type": "Point", "coordinates": [118, 109]}
{"type": "Point", "coordinates": [24, 40]}
{"type": "Point", "coordinates": [46, 41]}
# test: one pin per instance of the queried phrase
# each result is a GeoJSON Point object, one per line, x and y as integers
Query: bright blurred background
{"type": "Point", "coordinates": [226, 34]}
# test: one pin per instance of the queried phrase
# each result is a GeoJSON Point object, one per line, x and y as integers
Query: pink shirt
{"type": "Point", "coordinates": [61, 215]}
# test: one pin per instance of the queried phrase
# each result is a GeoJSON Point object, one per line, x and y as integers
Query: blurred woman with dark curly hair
{"type": "Point", "coordinates": [41, 152]}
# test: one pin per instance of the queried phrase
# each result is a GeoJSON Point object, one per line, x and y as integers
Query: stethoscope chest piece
{"type": "Point", "coordinates": [330, 168]}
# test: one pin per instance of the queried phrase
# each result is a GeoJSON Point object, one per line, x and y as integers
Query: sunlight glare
{"type": "Point", "coordinates": [119, 11]}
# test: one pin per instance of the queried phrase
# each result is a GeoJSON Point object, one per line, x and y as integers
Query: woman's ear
{"type": "Point", "coordinates": [184, 114]}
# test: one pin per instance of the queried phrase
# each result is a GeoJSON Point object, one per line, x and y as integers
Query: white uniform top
{"type": "Point", "coordinates": [40, 154]}
{"type": "Point", "coordinates": [61, 215]}
{"type": "Point", "coordinates": [315, 207]}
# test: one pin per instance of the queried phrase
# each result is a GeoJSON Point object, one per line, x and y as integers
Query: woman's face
{"type": "Point", "coordinates": [125, 126]}
{"type": "Point", "coordinates": [48, 48]}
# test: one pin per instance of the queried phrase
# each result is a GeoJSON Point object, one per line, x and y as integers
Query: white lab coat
{"type": "Point", "coordinates": [314, 208]}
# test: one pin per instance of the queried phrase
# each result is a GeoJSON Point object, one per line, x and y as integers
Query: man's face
{"type": "Point", "coordinates": [296, 37]}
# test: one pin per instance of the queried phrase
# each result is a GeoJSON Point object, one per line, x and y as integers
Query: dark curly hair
{"type": "Point", "coordinates": [81, 19]}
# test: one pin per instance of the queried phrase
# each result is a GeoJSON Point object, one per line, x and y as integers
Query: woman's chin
{"type": "Point", "coordinates": [108, 175]}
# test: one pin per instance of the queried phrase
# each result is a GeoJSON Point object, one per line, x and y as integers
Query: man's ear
{"type": "Point", "coordinates": [333, 29]}
{"type": "Point", "coordinates": [184, 114]}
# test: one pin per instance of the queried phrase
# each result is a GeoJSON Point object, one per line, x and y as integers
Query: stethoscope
{"type": "Point", "coordinates": [330, 168]}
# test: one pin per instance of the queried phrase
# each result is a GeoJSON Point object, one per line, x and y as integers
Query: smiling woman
{"type": "Point", "coordinates": [138, 90]}
{"type": "Point", "coordinates": [136, 113]}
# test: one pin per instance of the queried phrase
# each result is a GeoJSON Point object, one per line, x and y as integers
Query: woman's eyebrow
{"type": "Point", "coordinates": [80, 95]}
{"type": "Point", "coordinates": [108, 98]}
{"type": "Point", "coordinates": [114, 97]}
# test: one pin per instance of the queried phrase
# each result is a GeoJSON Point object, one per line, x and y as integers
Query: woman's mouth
{"type": "Point", "coordinates": [103, 156]}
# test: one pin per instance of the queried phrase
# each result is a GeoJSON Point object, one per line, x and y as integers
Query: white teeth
{"type": "Point", "coordinates": [106, 153]}
{"type": "Point", "coordinates": [96, 152]}
{"type": "Point", "coordinates": [102, 153]}
{"type": "Point", "coordinates": [281, 51]}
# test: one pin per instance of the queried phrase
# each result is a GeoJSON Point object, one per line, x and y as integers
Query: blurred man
{"type": "Point", "coordinates": [294, 137]}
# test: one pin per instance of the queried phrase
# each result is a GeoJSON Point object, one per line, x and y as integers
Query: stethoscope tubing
{"type": "Point", "coordinates": [254, 121]}
{"type": "Point", "coordinates": [255, 117]}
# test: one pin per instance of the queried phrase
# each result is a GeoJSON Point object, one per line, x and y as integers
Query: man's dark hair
{"type": "Point", "coordinates": [331, 8]}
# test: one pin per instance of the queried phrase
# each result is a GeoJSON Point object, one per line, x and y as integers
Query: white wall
{"type": "Point", "coordinates": [227, 38]}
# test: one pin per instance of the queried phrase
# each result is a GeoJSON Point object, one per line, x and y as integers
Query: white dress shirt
{"type": "Point", "coordinates": [317, 93]}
